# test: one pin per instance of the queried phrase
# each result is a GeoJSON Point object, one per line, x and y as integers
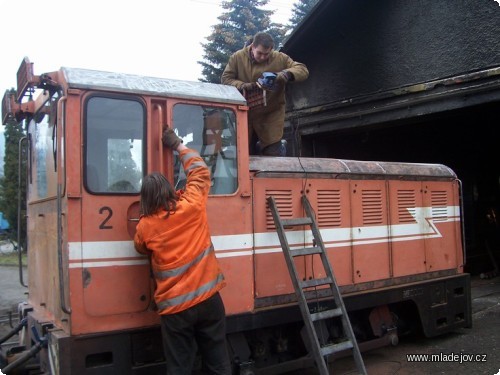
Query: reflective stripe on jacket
{"type": "Point", "coordinates": [182, 255]}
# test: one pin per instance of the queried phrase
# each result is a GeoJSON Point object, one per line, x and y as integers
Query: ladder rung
{"type": "Point", "coordinates": [326, 314]}
{"type": "Point", "coordinates": [296, 222]}
{"type": "Point", "coordinates": [305, 251]}
{"type": "Point", "coordinates": [315, 282]}
{"type": "Point", "coordinates": [335, 348]}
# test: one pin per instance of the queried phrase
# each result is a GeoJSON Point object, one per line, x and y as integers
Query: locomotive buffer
{"type": "Point", "coordinates": [320, 350]}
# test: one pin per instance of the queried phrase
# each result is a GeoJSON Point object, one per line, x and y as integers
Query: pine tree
{"type": "Point", "coordinates": [300, 10]}
{"type": "Point", "coordinates": [242, 20]}
{"type": "Point", "coordinates": [9, 188]}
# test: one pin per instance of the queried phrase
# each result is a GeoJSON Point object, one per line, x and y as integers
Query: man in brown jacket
{"type": "Point", "coordinates": [243, 70]}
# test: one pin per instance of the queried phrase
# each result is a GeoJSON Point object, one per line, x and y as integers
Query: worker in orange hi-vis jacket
{"type": "Point", "coordinates": [173, 231]}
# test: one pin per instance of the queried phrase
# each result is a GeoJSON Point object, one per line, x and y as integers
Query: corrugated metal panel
{"type": "Point", "coordinates": [329, 213]}
{"type": "Point", "coordinates": [406, 206]}
{"type": "Point", "coordinates": [284, 203]}
{"type": "Point", "coordinates": [372, 207]}
{"type": "Point", "coordinates": [439, 200]}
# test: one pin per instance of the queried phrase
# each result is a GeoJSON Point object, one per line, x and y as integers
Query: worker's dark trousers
{"type": "Point", "coordinates": [204, 325]}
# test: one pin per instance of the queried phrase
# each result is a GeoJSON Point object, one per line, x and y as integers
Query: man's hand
{"type": "Point", "coordinates": [284, 76]}
{"type": "Point", "coordinates": [248, 86]}
{"type": "Point", "coordinates": [170, 139]}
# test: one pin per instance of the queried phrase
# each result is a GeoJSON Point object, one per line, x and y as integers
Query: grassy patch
{"type": "Point", "coordinates": [12, 259]}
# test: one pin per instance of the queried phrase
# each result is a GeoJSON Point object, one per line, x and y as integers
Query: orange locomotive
{"type": "Point", "coordinates": [392, 230]}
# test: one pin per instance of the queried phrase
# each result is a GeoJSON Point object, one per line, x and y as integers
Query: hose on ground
{"type": "Point", "coordinates": [14, 330]}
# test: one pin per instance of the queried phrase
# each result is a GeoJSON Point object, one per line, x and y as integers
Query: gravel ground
{"type": "Point", "coordinates": [12, 292]}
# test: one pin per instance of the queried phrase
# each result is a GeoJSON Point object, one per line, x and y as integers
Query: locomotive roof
{"type": "Point", "coordinates": [129, 83]}
{"type": "Point", "coordinates": [271, 165]}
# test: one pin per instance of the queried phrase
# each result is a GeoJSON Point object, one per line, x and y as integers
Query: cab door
{"type": "Point", "coordinates": [115, 277]}
{"type": "Point", "coordinates": [218, 134]}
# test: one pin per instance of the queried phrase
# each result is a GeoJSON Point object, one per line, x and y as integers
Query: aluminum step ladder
{"type": "Point", "coordinates": [320, 351]}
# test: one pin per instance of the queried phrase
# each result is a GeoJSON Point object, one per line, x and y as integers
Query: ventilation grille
{"type": "Point", "coordinates": [329, 212]}
{"type": "Point", "coordinates": [372, 207]}
{"type": "Point", "coordinates": [439, 201]}
{"type": "Point", "coordinates": [283, 200]}
{"type": "Point", "coordinates": [406, 206]}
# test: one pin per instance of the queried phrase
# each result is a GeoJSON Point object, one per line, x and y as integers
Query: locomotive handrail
{"type": "Point", "coordinates": [161, 126]}
{"type": "Point", "coordinates": [19, 249]}
{"type": "Point", "coordinates": [462, 219]}
{"type": "Point", "coordinates": [62, 294]}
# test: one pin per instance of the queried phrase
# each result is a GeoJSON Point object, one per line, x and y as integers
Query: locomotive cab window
{"type": "Point", "coordinates": [43, 149]}
{"type": "Point", "coordinates": [114, 136]}
{"type": "Point", "coordinates": [212, 132]}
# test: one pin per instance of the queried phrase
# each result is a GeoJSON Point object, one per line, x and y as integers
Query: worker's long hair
{"type": "Point", "coordinates": [156, 194]}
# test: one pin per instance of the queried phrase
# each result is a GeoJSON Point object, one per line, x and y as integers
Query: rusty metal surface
{"type": "Point", "coordinates": [262, 165]}
{"type": "Point", "coordinates": [120, 82]}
